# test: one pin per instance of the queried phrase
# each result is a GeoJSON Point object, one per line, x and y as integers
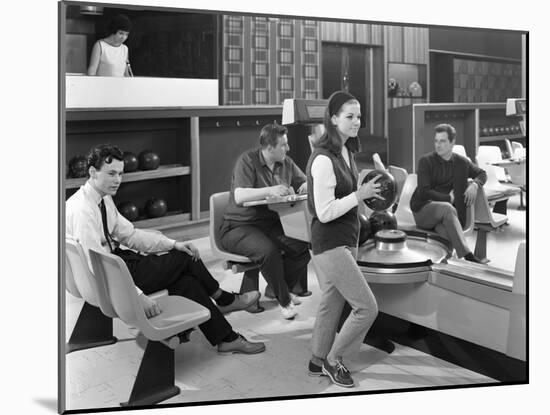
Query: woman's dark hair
{"type": "Point", "coordinates": [270, 134]}
{"type": "Point", "coordinates": [104, 153]}
{"type": "Point", "coordinates": [331, 139]}
{"type": "Point", "coordinates": [446, 128]}
{"type": "Point", "coordinates": [119, 22]}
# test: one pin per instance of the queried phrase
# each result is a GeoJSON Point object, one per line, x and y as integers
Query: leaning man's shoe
{"type": "Point", "coordinates": [303, 293]}
{"type": "Point", "coordinates": [472, 258]}
{"type": "Point", "coordinates": [241, 302]}
{"type": "Point", "coordinates": [240, 345]}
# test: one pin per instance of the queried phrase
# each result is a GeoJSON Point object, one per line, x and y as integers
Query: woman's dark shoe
{"type": "Point", "coordinates": [339, 374]}
{"type": "Point", "coordinates": [315, 370]}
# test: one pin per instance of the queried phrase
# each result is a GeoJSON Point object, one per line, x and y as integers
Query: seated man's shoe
{"type": "Point", "coordinates": [240, 345]}
{"type": "Point", "coordinates": [303, 293]}
{"type": "Point", "coordinates": [288, 311]}
{"type": "Point", "coordinates": [314, 370]}
{"type": "Point", "coordinates": [338, 374]}
{"type": "Point", "coordinates": [241, 302]}
{"type": "Point", "coordinates": [255, 308]}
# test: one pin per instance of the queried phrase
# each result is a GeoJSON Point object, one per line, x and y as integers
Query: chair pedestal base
{"type": "Point", "coordinates": [92, 329]}
{"type": "Point", "coordinates": [480, 250]}
{"type": "Point", "coordinates": [521, 205]}
{"type": "Point", "coordinates": [155, 378]}
{"type": "Point", "coordinates": [154, 398]}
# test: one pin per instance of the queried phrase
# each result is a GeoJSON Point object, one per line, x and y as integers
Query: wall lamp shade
{"type": "Point", "coordinates": [91, 10]}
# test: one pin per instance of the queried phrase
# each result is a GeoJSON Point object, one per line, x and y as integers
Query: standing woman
{"type": "Point", "coordinates": [332, 200]}
{"type": "Point", "coordinates": [109, 55]}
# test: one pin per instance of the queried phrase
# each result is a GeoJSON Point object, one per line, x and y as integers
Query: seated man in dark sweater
{"type": "Point", "coordinates": [443, 192]}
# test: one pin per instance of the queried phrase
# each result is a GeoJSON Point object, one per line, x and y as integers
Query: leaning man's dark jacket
{"type": "Point", "coordinates": [437, 177]}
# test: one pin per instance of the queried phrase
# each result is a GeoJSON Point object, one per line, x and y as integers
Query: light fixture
{"type": "Point", "coordinates": [92, 10]}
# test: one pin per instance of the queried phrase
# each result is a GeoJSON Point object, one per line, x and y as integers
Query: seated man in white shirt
{"type": "Point", "coordinates": [93, 220]}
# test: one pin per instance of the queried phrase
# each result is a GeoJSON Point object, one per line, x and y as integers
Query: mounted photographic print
{"type": "Point", "coordinates": [262, 207]}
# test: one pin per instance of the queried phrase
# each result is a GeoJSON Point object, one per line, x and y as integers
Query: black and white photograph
{"type": "Point", "coordinates": [282, 208]}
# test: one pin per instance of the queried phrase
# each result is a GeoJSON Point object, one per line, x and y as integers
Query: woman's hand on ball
{"type": "Point", "coordinates": [369, 189]}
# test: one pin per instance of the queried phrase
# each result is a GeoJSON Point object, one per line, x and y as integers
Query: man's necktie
{"type": "Point", "coordinates": [104, 220]}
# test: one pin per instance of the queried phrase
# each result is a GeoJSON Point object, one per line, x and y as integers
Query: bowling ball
{"type": "Point", "coordinates": [484, 131]}
{"type": "Point", "coordinates": [491, 130]}
{"type": "Point", "coordinates": [155, 207]}
{"type": "Point", "coordinates": [128, 210]}
{"type": "Point", "coordinates": [148, 160]}
{"type": "Point", "coordinates": [78, 166]}
{"type": "Point", "coordinates": [388, 190]}
{"type": "Point", "coordinates": [382, 220]}
{"type": "Point", "coordinates": [364, 229]}
{"type": "Point", "coordinates": [130, 162]}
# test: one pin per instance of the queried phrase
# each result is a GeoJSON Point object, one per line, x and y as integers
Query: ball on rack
{"type": "Point", "coordinates": [130, 162]}
{"type": "Point", "coordinates": [128, 210]}
{"type": "Point", "coordinates": [156, 207]}
{"type": "Point", "coordinates": [78, 166]}
{"type": "Point", "coordinates": [148, 160]}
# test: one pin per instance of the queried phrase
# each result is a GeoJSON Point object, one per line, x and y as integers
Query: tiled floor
{"type": "Point", "coordinates": [102, 377]}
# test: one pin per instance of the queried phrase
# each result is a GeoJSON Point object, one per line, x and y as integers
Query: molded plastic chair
{"type": "Point", "coordinates": [485, 221]}
{"type": "Point", "coordinates": [520, 152]}
{"type": "Point", "coordinates": [403, 214]}
{"type": "Point", "coordinates": [405, 217]}
{"type": "Point", "coordinates": [94, 327]}
{"type": "Point", "coordinates": [516, 146]}
{"type": "Point", "coordinates": [234, 262]}
{"type": "Point", "coordinates": [400, 175]}
{"type": "Point", "coordinates": [459, 149]}
{"type": "Point", "coordinates": [491, 154]}
{"type": "Point", "coordinates": [155, 378]}
{"type": "Point", "coordinates": [494, 189]}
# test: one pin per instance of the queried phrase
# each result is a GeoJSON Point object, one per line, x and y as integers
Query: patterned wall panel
{"type": "Point", "coordinates": [310, 58]}
{"type": "Point", "coordinates": [285, 59]}
{"type": "Point", "coordinates": [233, 65]}
{"type": "Point", "coordinates": [269, 60]}
{"type": "Point", "coordinates": [485, 81]}
{"type": "Point", "coordinates": [260, 61]}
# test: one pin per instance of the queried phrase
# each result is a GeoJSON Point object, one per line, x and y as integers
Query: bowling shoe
{"type": "Point", "coordinates": [338, 374]}
{"type": "Point", "coordinates": [288, 312]}
{"type": "Point", "coordinates": [241, 302]}
{"type": "Point", "coordinates": [315, 370]}
{"type": "Point", "coordinates": [240, 345]}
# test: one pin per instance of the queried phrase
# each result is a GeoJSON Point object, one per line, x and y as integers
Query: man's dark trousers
{"type": "Point", "coordinates": [263, 242]}
{"type": "Point", "coordinates": [180, 275]}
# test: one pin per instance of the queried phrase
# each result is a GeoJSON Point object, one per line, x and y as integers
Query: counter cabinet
{"type": "Point", "coordinates": [197, 147]}
{"type": "Point", "coordinates": [411, 129]}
